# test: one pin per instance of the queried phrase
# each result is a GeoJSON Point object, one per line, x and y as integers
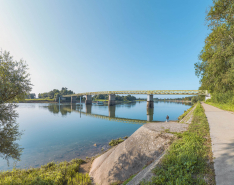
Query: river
{"type": "Point", "coordinates": [57, 133]}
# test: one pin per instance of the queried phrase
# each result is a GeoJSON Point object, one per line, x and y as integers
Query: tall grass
{"type": "Point", "coordinates": [64, 173]}
{"type": "Point", "coordinates": [188, 160]}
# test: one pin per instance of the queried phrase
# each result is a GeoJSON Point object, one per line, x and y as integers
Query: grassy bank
{"type": "Point", "coordinates": [189, 158]}
{"type": "Point", "coordinates": [224, 106]}
{"type": "Point", "coordinates": [185, 113]}
{"type": "Point", "coordinates": [63, 173]}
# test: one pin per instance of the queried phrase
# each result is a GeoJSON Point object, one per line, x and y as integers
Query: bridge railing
{"type": "Point", "coordinates": [162, 92]}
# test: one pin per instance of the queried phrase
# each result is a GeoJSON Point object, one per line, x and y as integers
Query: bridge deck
{"type": "Point", "coordinates": [160, 92]}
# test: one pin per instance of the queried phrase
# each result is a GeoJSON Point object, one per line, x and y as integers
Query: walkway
{"type": "Point", "coordinates": [222, 135]}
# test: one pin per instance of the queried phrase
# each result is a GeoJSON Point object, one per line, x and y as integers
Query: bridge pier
{"type": "Point", "coordinates": [111, 100]}
{"type": "Point", "coordinates": [88, 100]}
{"type": "Point", "coordinates": [73, 99]}
{"type": "Point", "coordinates": [111, 111]}
{"type": "Point", "coordinates": [150, 113]}
{"type": "Point", "coordinates": [150, 101]}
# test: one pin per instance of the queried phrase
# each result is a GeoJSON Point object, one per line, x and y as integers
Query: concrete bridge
{"type": "Point", "coordinates": [149, 93]}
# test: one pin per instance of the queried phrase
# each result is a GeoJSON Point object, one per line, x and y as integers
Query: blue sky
{"type": "Point", "coordinates": [99, 45]}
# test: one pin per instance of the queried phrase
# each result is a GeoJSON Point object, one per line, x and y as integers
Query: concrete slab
{"type": "Point", "coordinates": [129, 157]}
{"type": "Point", "coordinates": [222, 135]}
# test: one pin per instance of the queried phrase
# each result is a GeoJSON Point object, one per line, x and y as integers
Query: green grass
{"type": "Point", "coordinates": [187, 160]}
{"type": "Point", "coordinates": [185, 113]}
{"type": "Point", "coordinates": [228, 107]}
{"type": "Point", "coordinates": [101, 100]}
{"type": "Point", "coordinates": [128, 180]}
{"type": "Point", "coordinates": [41, 99]}
{"type": "Point", "coordinates": [63, 173]}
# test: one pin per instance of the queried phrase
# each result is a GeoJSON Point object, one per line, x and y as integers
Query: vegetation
{"type": "Point", "coordinates": [55, 94]}
{"type": "Point", "coordinates": [188, 98]}
{"type": "Point", "coordinates": [14, 86]}
{"type": "Point", "coordinates": [40, 99]}
{"type": "Point", "coordinates": [63, 173]}
{"type": "Point", "coordinates": [216, 68]}
{"type": "Point", "coordinates": [14, 80]}
{"type": "Point", "coordinates": [185, 113]}
{"type": "Point", "coordinates": [115, 142]}
{"type": "Point", "coordinates": [188, 160]}
{"type": "Point", "coordinates": [128, 180]}
{"type": "Point", "coordinates": [228, 107]}
{"type": "Point", "coordinates": [101, 97]}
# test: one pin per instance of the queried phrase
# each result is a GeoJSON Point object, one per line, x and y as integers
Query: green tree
{"type": "Point", "coordinates": [216, 68]}
{"type": "Point", "coordinates": [14, 80]}
{"type": "Point", "coordinates": [14, 85]}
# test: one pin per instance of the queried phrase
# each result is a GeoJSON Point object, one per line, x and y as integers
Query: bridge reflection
{"type": "Point", "coordinates": [65, 109]}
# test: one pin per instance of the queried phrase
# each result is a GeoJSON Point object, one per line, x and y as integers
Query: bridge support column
{"type": "Point", "coordinates": [111, 99]}
{"type": "Point", "coordinates": [88, 100]}
{"type": "Point", "coordinates": [150, 113]}
{"type": "Point", "coordinates": [150, 101]}
{"type": "Point", "coordinates": [111, 111]}
{"type": "Point", "coordinates": [73, 99]}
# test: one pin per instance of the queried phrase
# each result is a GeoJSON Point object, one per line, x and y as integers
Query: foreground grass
{"type": "Point", "coordinates": [189, 158]}
{"type": "Point", "coordinates": [228, 107]}
{"type": "Point", "coordinates": [64, 173]}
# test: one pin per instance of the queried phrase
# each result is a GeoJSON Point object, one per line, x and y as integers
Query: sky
{"type": "Point", "coordinates": [106, 45]}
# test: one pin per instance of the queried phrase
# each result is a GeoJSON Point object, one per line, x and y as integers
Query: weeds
{"type": "Point", "coordinates": [115, 142]}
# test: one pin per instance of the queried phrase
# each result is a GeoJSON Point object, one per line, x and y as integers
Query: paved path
{"type": "Point", "coordinates": [222, 135]}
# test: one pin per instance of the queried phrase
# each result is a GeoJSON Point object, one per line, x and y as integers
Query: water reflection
{"type": "Point", "coordinates": [9, 133]}
{"type": "Point", "coordinates": [64, 109]}
{"type": "Point", "coordinates": [150, 113]}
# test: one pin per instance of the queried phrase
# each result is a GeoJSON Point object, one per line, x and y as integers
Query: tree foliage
{"type": "Point", "coordinates": [14, 85]}
{"type": "Point", "coordinates": [55, 93]}
{"type": "Point", "coordinates": [216, 68]}
{"type": "Point", "coordinates": [14, 80]}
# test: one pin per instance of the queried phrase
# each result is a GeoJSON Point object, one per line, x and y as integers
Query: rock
{"type": "Point", "coordinates": [129, 157]}
{"type": "Point", "coordinates": [95, 145]}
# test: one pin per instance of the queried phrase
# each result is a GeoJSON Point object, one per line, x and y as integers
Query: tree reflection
{"type": "Point", "coordinates": [63, 109]}
{"type": "Point", "coordinates": [9, 133]}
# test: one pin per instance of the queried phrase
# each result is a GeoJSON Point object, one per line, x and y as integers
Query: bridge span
{"type": "Point", "coordinates": [149, 93]}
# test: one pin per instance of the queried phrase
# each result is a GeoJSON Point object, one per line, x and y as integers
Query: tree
{"type": "Point", "coordinates": [216, 68]}
{"type": "Point", "coordinates": [14, 80]}
{"type": "Point", "coordinates": [14, 85]}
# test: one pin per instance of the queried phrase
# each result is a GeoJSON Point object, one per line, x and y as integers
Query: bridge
{"type": "Point", "coordinates": [149, 93]}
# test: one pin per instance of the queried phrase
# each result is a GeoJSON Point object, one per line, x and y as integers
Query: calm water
{"type": "Point", "coordinates": [52, 132]}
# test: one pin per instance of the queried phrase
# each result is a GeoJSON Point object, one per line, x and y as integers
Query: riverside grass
{"type": "Point", "coordinates": [223, 106]}
{"type": "Point", "coordinates": [63, 173]}
{"type": "Point", "coordinates": [185, 113]}
{"type": "Point", "coordinates": [189, 158]}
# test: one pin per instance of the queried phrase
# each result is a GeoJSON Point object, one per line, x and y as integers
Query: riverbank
{"type": "Point", "coordinates": [73, 150]}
